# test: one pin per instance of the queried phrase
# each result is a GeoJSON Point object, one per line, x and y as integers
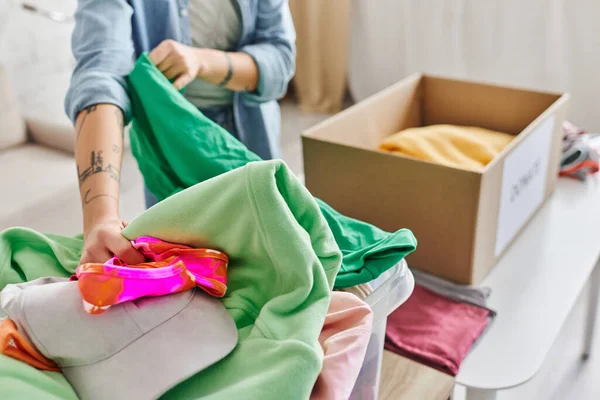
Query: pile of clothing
{"type": "Point", "coordinates": [245, 307]}
{"type": "Point", "coordinates": [580, 152]}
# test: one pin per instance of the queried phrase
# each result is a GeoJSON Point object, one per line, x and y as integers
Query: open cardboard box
{"type": "Point", "coordinates": [463, 220]}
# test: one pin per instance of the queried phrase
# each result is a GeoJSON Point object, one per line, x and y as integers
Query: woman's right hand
{"type": "Point", "coordinates": [104, 240]}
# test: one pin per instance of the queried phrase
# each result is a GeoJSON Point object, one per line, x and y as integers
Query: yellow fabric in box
{"type": "Point", "coordinates": [463, 147]}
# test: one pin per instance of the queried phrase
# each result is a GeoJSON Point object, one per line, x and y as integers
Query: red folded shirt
{"type": "Point", "coordinates": [434, 330]}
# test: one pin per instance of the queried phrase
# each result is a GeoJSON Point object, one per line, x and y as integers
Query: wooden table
{"type": "Point", "coordinates": [534, 287]}
{"type": "Point", "coordinates": [402, 378]}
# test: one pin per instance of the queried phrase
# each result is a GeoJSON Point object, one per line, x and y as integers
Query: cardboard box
{"type": "Point", "coordinates": [463, 220]}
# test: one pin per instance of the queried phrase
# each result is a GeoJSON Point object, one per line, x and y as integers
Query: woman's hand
{"type": "Point", "coordinates": [104, 240]}
{"type": "Point", "coordinates": [180, 62]}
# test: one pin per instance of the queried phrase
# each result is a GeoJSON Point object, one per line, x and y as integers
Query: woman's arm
{"type": "Point", "coordinates": [261, 70]}
{"type": "Point", "coordinates": [273, 50]}
{"type": "Point", "coordinates": [243, 70]}
{"type": "Point", "coordinates": [103, 51]}
{"type": "Point", "coordinates": [96, 102]}
{"type": "Point", "coordinates": [98, 154]}
{"type": "Point", "coordinates": [182, 64]}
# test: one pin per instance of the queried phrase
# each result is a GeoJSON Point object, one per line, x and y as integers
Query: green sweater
{"type": "Point", "coordinates": [177, 147]}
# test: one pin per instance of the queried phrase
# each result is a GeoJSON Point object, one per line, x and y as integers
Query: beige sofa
{"type": "Point", "coordinates": [37, 168]}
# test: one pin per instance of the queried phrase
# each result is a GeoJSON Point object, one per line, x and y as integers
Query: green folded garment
{"type": "Point", "coordinates": [176, 147]}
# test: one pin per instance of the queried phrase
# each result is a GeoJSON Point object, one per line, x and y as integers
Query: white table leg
{"type": "Point", "coordinates": [592, 307]}
{"type": "Point", "coordinates": [480, 394]}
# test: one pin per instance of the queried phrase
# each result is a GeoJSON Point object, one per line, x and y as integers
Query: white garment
{"type": "Point", "coordinates": [214, 24]}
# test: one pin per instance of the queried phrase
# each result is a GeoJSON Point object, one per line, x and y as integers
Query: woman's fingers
{"type": "Point", "coordinates": [174, 71]}
{"type": "Point", "coordinates": [176, 62]}
{"type": "Point", "coordinates": [183, 80]}
{"type": "Point", "coordinates": [161, 52]}
{"type": "Point", "coordinates": [167, 63]}
{"type": "Point", "coordinates": [128, 254]}
{"type": "Point", "coordinates": [122, 248]}
{"type": "Point", "coordinates": [98, 256]}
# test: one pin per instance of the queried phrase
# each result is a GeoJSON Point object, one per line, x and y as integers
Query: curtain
{"type": "Point", "coordinates": [549, 45]}
{"type": "Point", "coordinates": [322, 29]}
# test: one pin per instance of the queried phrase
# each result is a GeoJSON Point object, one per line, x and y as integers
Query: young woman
{"type": "Point", "coordinates": [235, 58]}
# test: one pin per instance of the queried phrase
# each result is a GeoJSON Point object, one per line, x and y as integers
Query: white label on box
{"type": "Point", "coordinates": [523, 182]}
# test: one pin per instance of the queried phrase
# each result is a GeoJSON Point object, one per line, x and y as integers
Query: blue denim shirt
{"type": "Point", "coordinates": [110, 34]}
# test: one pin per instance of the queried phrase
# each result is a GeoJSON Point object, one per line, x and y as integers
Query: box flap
{"type": "Point", "coordinates": [493, 107]}
{"type": "Point", "coordinates": [365, 124]}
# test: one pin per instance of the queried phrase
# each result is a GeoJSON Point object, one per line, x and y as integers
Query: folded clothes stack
{"type": "Point", "coordinates": [439, 323]}
{"type": "Point", "coordinates": [474, 295]}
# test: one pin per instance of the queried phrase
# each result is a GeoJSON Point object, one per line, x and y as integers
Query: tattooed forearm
{"type": "Point", "coordinates": [86, 111]}
{"type": "Point", "coordinates": [88, 199]}
{"type": "Point", "coordinates": [97, 166]}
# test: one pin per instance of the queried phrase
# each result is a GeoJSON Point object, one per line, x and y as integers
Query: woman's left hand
{"type": "Point", "coordinates": [179, 62]}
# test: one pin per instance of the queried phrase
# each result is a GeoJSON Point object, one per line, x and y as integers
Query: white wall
{"type": "Point", "coordinates": [542, 44]}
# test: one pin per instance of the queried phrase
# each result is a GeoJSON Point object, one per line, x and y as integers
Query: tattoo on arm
{"type": "Point", "coordinates": [230, 71]}
{"type": "Point", "coordinates": [120, 122]}
{"type": "Point", "coordinates": [87, 111]}
{"type": "Point", "coordinates": [88, 199]}
{"type": "Point", "coordinates": [116, 149]}
{"type": "Point", "coordinates": [97, 166]}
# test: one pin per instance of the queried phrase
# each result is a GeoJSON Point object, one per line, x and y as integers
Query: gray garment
{"type": "Point", "coordinates": [103, 356]}
{"type": "Point", "coordinates": [476, 296]}
{"type": "Point", "coordinates": [214, 24]}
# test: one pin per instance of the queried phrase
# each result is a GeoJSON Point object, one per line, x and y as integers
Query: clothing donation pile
{"type": "Point", "coordinates": [228, 225]}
